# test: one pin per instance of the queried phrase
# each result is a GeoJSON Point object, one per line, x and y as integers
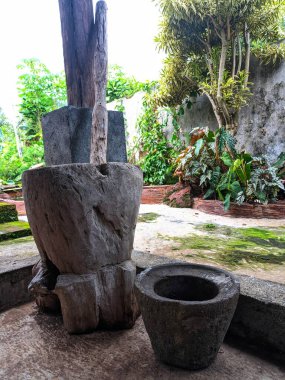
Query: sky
{"type": "Point", "coordinates": [31, 29]}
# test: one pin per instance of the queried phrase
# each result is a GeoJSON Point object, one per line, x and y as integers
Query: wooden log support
{"type": "Point", "coordinates": [100, 114]}
{"type": "Point", "coordinates": [77, 28]}
{"type": "Point", "coordinates": [86, 65]}
{"type": "Point", "coordinates": [78, 300]}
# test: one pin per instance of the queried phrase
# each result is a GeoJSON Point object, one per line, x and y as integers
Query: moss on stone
{"type": "Point", "coordinates": [234, 247]}
{"type": "Point", "coordinates": [8, 213]}
{"type": "Point", "coordinates": [147, 217]}
{"type": "Point", "coordinates": [21, 240]}
{"type": "Point", "coordinates": [14, 230]}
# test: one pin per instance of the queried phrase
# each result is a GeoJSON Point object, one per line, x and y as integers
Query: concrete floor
{"type": "Point", "coordinates": [153, 238]}
{"type": "Point", "coordinates": [36, 346]}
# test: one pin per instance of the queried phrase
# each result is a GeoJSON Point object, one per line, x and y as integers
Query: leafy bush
{"type": "Point", "coordinates": [12, 166]}
{"type": "Point", "coordinates": [216, 170]}
{"type": "Point", "coordinates": [40, 91]}
{"type": "Point", "coordinates": [157, 153]}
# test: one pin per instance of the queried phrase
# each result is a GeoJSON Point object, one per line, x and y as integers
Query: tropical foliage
{"type": "Point", "coordinates": [16, 155]}
{"type": "Point", "coordinates": [120, 86]}
{"type": "Point", "coordinates": [157, 152]}
{"type": "Point", "coordinates": [209, 44]}
{"type": "Point", "coordinates": [216, 170]}
{"type": "Point", "coordinates": [40, 91]}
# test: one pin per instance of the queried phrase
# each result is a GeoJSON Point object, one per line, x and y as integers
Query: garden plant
{"type": "Point", "coordinates": [216, 170]}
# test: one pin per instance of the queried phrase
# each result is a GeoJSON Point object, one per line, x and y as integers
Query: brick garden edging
{"type": "Point", "coordinates": [155, 194]}
{"type": "Point", "coordinates": [246, 210]}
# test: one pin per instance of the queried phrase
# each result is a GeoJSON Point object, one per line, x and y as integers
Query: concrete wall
{"type": "Point", "coordinates": [262, 122]}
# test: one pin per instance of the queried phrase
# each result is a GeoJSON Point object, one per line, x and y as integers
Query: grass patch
{"type": "Point", "coordinates": [14, 230]}
{"type": "Point", "coordinates": [22, 240]}
{"type": "Point", "coordinates": [234, 247]}
{"type": "Point", "coordinates": [148, 217]}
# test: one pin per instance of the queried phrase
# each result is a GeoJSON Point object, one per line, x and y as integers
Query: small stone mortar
{"type": "Point", "coordinates": [187, 309]}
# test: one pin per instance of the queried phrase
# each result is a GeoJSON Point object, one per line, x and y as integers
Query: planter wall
{"type": "Point", "coordinates": [246, 210]}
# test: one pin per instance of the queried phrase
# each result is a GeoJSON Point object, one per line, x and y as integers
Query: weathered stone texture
{"type": "Point", "coordinates": [14, 280]}
{"type": "Point", "coordinates": [82, 216]}
{"type": "Point", "coordinates": [259, 319]}
{"type": "Point", "coordinates": [261, 123]}
{"type": "Point", "coordinates": [78, 300]}
{"type": "Point", "coordinates": [117, 304]}
{"type": "Point", "coordinates": [186, 309]}
{"type": "Point", "coordinates": [83, 219]}
{"type": "Point", "coordinates": [67, 136]}
{"type": "Point", "coordinates": [106, 297]}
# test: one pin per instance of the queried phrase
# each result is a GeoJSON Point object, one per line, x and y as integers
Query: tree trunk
{"type": "Point", "coordinates": [222, 65]}
{"type": "Point", "coordinates": [77, 27]}
{"type": "Point", "coordinates": [219, 118]}
{"type": "Point", "coordinates": [247, 54]}
{"type": "Point", "coordinates": [100, 114]}
{"type": "Point", "coordinates": [234, 52]}
{"type": "Point", "coordinates": [239, 55]}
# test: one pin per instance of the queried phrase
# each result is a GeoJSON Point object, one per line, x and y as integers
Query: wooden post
{"type": "Point", "coordinates": [77, 27]}
{"type": "Point", "coordinates": [86, 65]}
{"type": "Point", "coordinates": [100, 114]}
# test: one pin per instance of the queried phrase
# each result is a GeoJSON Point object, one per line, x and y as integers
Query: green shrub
{"type": "Point", "coordinates": [12, 166]}
{"type": "Point", "coordinates": [215, 170]}
{"type": "Point", "coordinates": [158, 153]}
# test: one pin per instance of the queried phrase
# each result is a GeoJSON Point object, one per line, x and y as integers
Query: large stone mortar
{"type": "Point", "coordinates": [83, 216]}
{"type": "Point", "coordinates": [187, 309]}
{"type": "Point", "coordinates": [83, 220]}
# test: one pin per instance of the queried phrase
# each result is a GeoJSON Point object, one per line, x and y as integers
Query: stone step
{"type": "Point", "coordinates": [14, 230]}
{"type": "Point", "coordinates": [8, 213]}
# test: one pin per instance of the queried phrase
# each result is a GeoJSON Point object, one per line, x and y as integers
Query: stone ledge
{"type": "Point", "coordinates": [14, 280]}
{"type": "Point", "coordinates": [260, 315]}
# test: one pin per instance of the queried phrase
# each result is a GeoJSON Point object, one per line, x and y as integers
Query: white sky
{"type": "Point", "coordinates": [31, 28]}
